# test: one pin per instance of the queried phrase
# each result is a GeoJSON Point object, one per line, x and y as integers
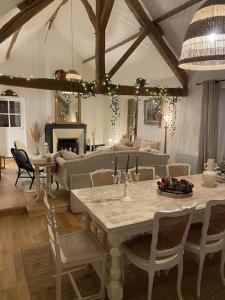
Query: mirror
{"type": "Point", "coordinates": [132, 118]}
{"type": "Point", "coordinates": [67, 108]}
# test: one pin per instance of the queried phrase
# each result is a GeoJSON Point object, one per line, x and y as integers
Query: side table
{"type": "Point", "coordinates": [38, 164]}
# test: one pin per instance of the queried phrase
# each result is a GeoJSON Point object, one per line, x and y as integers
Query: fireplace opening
{"type": "Point", "coordinates": [68, 144]}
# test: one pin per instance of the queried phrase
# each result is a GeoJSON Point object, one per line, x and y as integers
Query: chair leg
{"type": "Point", "coordinates": [103, 275]}
{"type": "Point", "coordinates": [18, 176]}
{"type": "Point", "coordinates": [222, 262]}
{"type": "Point", "coordinates": [122, 269]}
{"type": "Point", "coordinates": [179, 280]}
{"type": "Point", "coordinates": [57, 185]}
{"type": "Point", "coordinates": [200, 268]}
{"type": "Point", "coordinates": [150, 283]}
{"type": "Point", "coordinates": [58, 282]}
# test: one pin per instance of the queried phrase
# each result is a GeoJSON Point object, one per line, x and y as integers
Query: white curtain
{"type": "Point", "coordinates": [221, 127]}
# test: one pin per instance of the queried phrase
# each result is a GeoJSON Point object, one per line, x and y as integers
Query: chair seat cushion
{"type": "Point", "coordinates": [79, 246]}
{"type": "Point", "coordinates": [194, 235]}
{"type": "Point", "coordinates": [140, 246]}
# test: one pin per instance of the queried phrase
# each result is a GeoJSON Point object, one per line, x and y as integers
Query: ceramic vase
{"type": "Point", "coordinates": [209, 176]}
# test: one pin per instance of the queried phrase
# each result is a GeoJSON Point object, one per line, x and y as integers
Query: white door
{"type": "Point", "coordinates": [12, 123]}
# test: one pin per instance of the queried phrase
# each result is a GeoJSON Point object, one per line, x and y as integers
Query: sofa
{"type": "Point", "coordinates": [72, 172]}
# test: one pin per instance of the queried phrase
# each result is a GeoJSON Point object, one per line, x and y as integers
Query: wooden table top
{"type": "Point", "coordinates": [104, 204]}
{"type": "Point", "coordinates": [42, 162]}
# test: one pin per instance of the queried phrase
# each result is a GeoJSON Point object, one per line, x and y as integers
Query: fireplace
{"type": "Point", "coordinates": [66, 136]}
{"type": "Point", "coordinates": [68, 144]}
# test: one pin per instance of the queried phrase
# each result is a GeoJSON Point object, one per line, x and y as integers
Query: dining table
{"type": "Point", "coordinates": [121, 220]}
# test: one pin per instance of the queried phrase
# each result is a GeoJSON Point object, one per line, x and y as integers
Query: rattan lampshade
{"type": "Point", "coordinates": [204, 43]}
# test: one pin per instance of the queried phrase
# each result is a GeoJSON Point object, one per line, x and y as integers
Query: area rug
{"type": "Point", "coordinates": [37, 260]}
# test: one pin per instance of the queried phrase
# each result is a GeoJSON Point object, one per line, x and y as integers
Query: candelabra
{"type": "Point", "coordinates": [125, 181]}
{"type": "Point", "coordinates": [136, 177]}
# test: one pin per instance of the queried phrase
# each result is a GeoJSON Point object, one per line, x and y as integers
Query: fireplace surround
{"type": "Point", "coordinates": [58, 132]}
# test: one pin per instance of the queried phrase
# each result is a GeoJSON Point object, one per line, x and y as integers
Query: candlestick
{"type": "Point", "coordinates": [136, 164]}
{"type": "Point", "coordinates": [128, 160]}
{"type": "Point", "coordinates": [115, 170]}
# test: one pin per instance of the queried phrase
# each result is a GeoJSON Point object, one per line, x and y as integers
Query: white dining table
{"type": "Point", "coordinates": [123, 219]}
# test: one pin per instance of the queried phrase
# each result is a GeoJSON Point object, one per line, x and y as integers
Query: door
{"type": "Point", "coordinates": [12, 123]}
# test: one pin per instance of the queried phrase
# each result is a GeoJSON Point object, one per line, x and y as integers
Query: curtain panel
{"type": "Point", "coordinates": [208, 139]}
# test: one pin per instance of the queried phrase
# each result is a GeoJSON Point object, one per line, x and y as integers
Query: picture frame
{"type": "Point", "coordinates": [152, 112]}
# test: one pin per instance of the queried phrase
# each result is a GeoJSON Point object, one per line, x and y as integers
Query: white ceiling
{"type": "Point", "coordinates": [145, 61]}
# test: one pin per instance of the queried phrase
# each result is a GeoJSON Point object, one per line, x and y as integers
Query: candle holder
{"type": "Point", "coordinates": [136, 177]}
{"type": "Point", "coordinates": [115, 178]}
{"type": "Point", "coordinates": [125, 181]}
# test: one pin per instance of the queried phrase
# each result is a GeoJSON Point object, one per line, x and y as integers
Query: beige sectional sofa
{"type": "Point", "coordinates": [73, 172]}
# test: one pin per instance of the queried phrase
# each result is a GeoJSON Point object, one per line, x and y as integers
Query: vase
{"type": "Point", "coordinates": [209, 176]}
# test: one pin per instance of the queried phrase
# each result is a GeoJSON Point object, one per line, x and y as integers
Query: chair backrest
{"type": "Point", "coordinates": [22, 159]}
{"type": "Point", "coordinates": [170, 231]}
{"type": "Point", "coordinates": [177, 170]}
{"type": "Point", "coordinates": [145, 173]}
{"type": "Point", "coordinates": [214, 223]}
{"type": "Point", "coordinates": [52, 227]}
{"type": "Point", "coordinates": [101, 177]}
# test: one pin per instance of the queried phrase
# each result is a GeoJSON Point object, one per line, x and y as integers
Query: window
{"type": "Point", "coordinates": [10, 113]}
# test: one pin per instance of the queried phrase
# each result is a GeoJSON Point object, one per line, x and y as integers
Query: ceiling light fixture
{"type": "Point", "coordinates": [204, 44]}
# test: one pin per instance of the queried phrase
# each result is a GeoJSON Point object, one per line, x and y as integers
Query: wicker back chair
{"type": "Point", "coordinates": [163, 249]}
{"type": "Point", "coordinates": [23, 163]}
{"type": "Point", "coordinates": [177, 170]}
{"type": "Point", "coordinates": [71, 251]}
{"type": "Point", "coordinates": [209, 237]}
{"type": "Point", "coordinates": [101, 177]}
{"type": "Point", "coordinates": [145, 173]}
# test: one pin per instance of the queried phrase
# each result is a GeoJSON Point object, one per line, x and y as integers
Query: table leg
{"type": "Point", "coordinates": [115, 288]}
{"type": "Point", "coordinates": [37, 179]}
{"type": "Point", "coordinates": [48, 181]}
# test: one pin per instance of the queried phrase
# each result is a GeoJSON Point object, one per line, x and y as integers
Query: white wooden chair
{"type": "Point", "coordinates": [178, 169]}
{"type": "Point", "coordinates": [208, 238]}
{"type": "Point", "coordinates": [164, 248]}
{"type": "Point", "coordinates": [145, 173]}
{"type": "Point", "coordinates": [102, 177]}
{"type": "Point", "coordinates": [73, 250]}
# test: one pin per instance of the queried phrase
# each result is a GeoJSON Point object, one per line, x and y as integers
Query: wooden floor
{"type": "Point", "coordinates": [18, 231]}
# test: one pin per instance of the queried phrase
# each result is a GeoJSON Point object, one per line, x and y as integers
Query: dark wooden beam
{"type": "Point", "coordinates": [54, 15]}
{"type": "Point", "coordinates": [129, 51]}
{"type": "Point", "coordinates": [69, 86]}
{"type": "Point", "coordinates": [176, 10]}
{"type": "Point", "coordinates": [22, 18]}
{"type": "Point", "coordinates": [90, 12]}
{"type": "Point", "coordinates": [158, 41]}
{"type": "Point", "coordinates": [106, 13]}
{"type": "Point", "coordinates": [100, 42]}
{"type": "Point", "coordinates": [130, 38]}
{"type": "Point", "coordinates": [12, 43]}
{"type": "Point", "coordinates": [24, 4]}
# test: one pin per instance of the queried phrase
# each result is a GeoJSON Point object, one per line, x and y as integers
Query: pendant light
{"type": "Point", "coordinates": [204, 44]}
{"type": "Point", "coordinates": [72, 74]}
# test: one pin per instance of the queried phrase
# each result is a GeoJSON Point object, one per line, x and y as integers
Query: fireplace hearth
{"type": "Point", "coordinates": [68, 144]}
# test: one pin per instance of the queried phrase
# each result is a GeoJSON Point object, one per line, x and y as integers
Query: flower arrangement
{"type": "Point", "coordinates": [36, 132]}
{"type": "Point", "coordinates": [173, 185]}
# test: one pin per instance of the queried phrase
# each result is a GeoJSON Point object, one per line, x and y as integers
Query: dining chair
{"type": "Point", "coordinates": [101, 177]}
{"type": "Point", "coordinates": [209, 237]}
{"type": "Point", "coordinates": [164, 248]}
{"type": "Point", "coordinates": [145, 173]}
{"type": "Point", "coordinates": [73, 250]}
{"type": "Point", "coordinates": [178, 169]}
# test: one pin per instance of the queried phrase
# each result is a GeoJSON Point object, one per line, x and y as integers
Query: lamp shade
{"type": "Point", "coordinates": [204, 43]}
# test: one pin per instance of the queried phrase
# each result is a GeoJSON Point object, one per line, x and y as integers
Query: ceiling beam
{"type": "Point", "coordinates": [64, 85]}
{"type": "Point", "coordinates": [99, 42]}
{"type": "Point", "coordinates": [158, 41]}
{"type": "Point", "coordinates": [24, 4]}
{"type": "Point", "coordinates": [22, 18]}
{"type": "Point", "coordinates": [129, 51]}
{"type": "Point", "coordinates": [54, 15]}
{"type": "Point", "coordinates": [106, 13]}
{"type": "Point", "coordinates": [12, 43]}
{"type": "Point", "coordinates": [130, 38]}
{"type": "Point", "coordinates": [176, 10]}
{"type": "Point", "coordinates": [90, 12]}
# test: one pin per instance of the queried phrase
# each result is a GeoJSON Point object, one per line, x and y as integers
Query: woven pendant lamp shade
{"type": "Point", "coordinates": [204, 43]}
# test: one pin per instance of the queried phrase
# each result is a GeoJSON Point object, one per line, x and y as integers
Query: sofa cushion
{"type": "Point", "coordinates": [68, 155]}
{"type": "Point", "coordinates": [124, 148]}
